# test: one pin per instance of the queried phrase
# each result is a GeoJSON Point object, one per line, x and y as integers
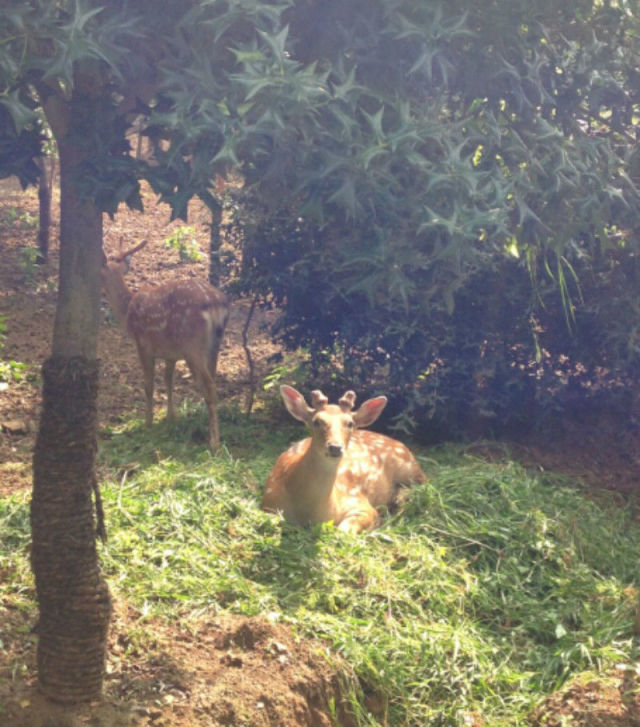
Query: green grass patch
{"type": "Point", "coordinates": [16, 580]}
{"type": "Point", "coordinates": [488, 589]}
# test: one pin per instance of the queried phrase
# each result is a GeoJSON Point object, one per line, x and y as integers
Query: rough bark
{"type": "Point", "coordinates": [73, 597]}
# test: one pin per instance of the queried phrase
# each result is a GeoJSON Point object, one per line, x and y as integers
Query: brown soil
{"type": "Point", "coordinates": [225, 670]}
{"type": "Point", "coordinates": [611, 702]}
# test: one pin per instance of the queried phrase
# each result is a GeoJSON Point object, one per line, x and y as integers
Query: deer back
{"type": "Point", "coordinates": [171, 317]}
{"type": "Point", "coordinates": [377, 465]}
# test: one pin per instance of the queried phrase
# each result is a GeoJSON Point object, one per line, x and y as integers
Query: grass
{"type": "Point", "coordinates": [489, 589]}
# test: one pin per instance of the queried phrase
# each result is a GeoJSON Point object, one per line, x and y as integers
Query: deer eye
{"type": "Point", "coordinates": [350, 424]}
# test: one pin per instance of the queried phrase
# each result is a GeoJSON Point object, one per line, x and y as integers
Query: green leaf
{"type": "Point", "coordinates": [345, 197]}
{"type": "Point", "coordinates": [277, 43]}
{"type": "Point", "coordinates": [371, 153]}
{"type": "Point", "coordinates": [22, 115]}
{"type": "Point", "coordinates": [248, 56]}
{"type": "Point", "coordinates": [375, 122]}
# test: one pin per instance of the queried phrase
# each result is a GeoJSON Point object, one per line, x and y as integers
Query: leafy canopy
{"type": "Point", "coordinates": [402, 161]}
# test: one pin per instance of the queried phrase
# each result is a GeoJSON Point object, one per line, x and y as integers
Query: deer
{"type": "Point", "coordinates": [176, 320]}
{"type": "Point", "coordinates": [340, 473]}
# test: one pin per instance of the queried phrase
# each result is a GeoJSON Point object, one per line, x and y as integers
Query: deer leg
{"type": "Point", "coordinates": [169, 368]}
{"type": "Point", "coordinates": [361, 517]}
{"type": "Point", "coordinates": [148, 370]}
{"type": "Point", "coordinates": [212, 390]}
{"type": "Point", "coordinates": [211, 398]}
{"type": "Point", "coordinates": [207, 384]}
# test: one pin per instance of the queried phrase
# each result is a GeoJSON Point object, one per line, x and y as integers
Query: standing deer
{"type": "Point", "coordinates": [177, 320]}
{"type": "Point", "coordinates": [339, 473]}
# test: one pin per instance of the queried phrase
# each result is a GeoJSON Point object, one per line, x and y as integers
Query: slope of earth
{"type": "Point", "coordinates": [227, 670]}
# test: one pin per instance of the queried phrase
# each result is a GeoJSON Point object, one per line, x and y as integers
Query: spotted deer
{"type": "Point", "coordinates": [340, 472]}
{"type": "Point", "coordinates": [177, 320]}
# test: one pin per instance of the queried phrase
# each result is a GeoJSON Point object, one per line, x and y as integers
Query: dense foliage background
{"type": "Point", "coordinates": [463, 236]}
{"type": "Point", "coordinates": [439, 197]}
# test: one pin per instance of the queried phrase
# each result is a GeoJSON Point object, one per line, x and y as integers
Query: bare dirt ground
{"type": "Point", "coordinates": [225, 670]}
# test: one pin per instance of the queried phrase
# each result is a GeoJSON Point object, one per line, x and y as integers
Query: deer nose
{"type": "Point", "coordinates": [334, 450]}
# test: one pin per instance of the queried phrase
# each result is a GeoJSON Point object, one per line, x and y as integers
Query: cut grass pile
{"type": "Point", "coordinates": [487, 590]}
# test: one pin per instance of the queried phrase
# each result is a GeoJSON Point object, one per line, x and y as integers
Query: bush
{"type": "Point", "coordinates": [503, 356]}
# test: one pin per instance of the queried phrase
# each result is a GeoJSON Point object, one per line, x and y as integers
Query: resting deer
{"type": "Point", "coordinates": [339, 473]}
{"type": "Point", "coordinates": [177, 320]}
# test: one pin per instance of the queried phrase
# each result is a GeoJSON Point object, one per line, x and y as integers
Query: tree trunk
{"type": "Point", "coordinates": [215, 240]}
{"type": "Point", "coordinates": [44, 205]}
{"type": "Point", "coordinates": [72, 595]}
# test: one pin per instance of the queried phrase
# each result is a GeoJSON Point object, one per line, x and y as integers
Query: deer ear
{"type": "Point", "coordinates": [295, 403]}
{"type": "Point", "coordinates": [369, 411]}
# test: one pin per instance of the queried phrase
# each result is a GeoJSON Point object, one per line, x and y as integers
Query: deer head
{"type": "Point", "coordinates": [332, 425]}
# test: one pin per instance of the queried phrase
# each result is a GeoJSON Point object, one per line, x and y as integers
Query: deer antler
{"type": "Point", "coordinates": [122, 255]}
{"type": "Point", "coordinates": [318, 400]}
{"type": "Point", "coordinates": [347, 401]}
